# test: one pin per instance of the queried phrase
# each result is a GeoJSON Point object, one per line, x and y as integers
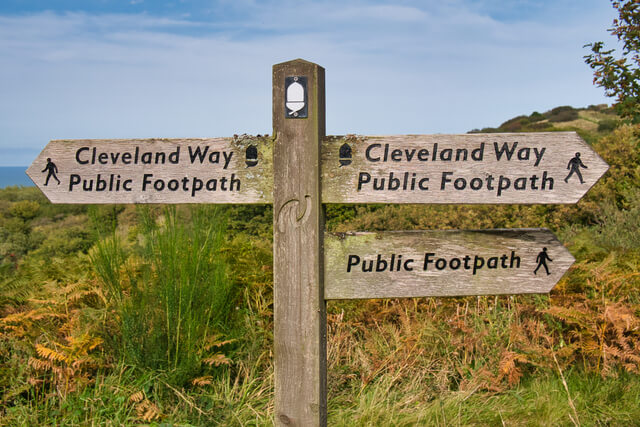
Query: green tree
{"type": "Point", "coordinates": [620, 75]}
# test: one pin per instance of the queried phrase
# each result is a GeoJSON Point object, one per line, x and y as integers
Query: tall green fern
{"type": "Point", "coordinates": [13, 287]}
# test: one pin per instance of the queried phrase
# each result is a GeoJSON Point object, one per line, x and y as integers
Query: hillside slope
{"type": "Point", "coordinates": [593, 119]}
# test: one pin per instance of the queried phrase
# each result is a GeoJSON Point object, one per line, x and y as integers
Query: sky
{"type": "Point", "coordinates": [75, 69]}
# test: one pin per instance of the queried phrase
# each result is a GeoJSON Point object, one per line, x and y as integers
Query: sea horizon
{"type": "Point", "coordinates": [14, 176]}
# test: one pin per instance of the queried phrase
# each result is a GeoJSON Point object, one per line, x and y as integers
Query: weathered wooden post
{"type": "Point", "coordinates": [298, 225]}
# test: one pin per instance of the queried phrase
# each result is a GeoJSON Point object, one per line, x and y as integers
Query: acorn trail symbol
{"type": "Point", "coordinates": [251, 156]}
{"type": "Point", "coordinates": [345, 155]}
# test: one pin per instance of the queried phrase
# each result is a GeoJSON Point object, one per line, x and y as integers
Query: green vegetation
{"type": "Point", "coordinates": [620, 75]}
{"type": "Point", "coordinates": [169, 290]}
{"type": "Point", "coordinates": [592, 122]}
{"type": "Point", "coordinates": [122, 315]}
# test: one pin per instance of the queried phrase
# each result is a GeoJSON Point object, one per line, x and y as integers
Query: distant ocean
{"type": "Point", "coordinates": [14, 175]}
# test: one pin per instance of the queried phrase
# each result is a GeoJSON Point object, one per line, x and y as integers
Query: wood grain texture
{"type": "Point", "coordinates": [299, 307]}
{"type": "Point", "coordinates": [428, 157]}
{"type": "Point", "coordinates": [516, 250]}
{"type": "Point", "coordinates": [157, 171]}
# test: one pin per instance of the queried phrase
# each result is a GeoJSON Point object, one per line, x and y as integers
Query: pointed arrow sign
{"type": "Point", "coordinates": [397, 264]}
{"type": "Point", "coordinates": [556, 167]}
{"type": "Point", "coordinates": [213, 170]}
{"type": "Point", "coordinates": [526, 168]}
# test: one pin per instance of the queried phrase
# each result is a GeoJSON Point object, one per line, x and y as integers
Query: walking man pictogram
{"type": "Point", "coordinates": [52, 170]}
{"type": "Point", "coordinates": [542, 259]}
{"type": "Point", "coordinates": [574, 165]}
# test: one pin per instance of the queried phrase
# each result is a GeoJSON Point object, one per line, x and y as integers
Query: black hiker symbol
{"type": "Point", "coordinates": [574, 165]}
{"type": "Point", "coordinates": [542, 259]}
{"type": "Point", "coordinates": [52, 170]}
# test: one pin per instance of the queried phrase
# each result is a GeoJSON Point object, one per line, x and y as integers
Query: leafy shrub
{"type": "Point", "coordinates": [620, 228]}
{"type": "Point", "coordinates": [515, 124]}
{"type": "Point", "coordinates": [485, 130]}
{"type": "Point", "coordinates": [536, 117]}
{"type": "Point", "coordinates": [619, 74]}
{"type": "Point", "coordinates": [607, 125]}
{"type": "Point", "coordinates": [255, 220]}
{"type": "Point", "coordinates": [13, 245]}
{"type": "Point", "coordinates": [562, 114]}
{"type": "Point", "coordinates": [65, 241]}
{"type": "Point", "coordinates": [28, 219]}
{"type": "Point", "coordinates": [24, 209]}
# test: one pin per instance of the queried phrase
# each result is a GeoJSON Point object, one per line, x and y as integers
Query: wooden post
{"type": "Point", "coordinates": [299, 307]}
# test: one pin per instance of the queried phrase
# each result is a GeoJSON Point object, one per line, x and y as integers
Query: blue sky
{"type": "Point", "coordinates": [202, 68]}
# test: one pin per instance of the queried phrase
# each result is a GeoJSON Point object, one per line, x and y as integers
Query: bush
{"type": "Point", "coordinates": [24, 209]}
{"type": "Point", "coordinates": [170, 289]}
{"type": "Point", "coordinates": [489, 130]}
{"type": "Point", "coordinates": [620, 228]}
{"type": "Point", "coordinates": [63, 241]}
{"type": "Point", "coordinates": [601, 107]}
{"type": "Point", "coordinates": [515, 124]}
{"type": "Point", "coordinates": [562, 114]}
{"type": "Point", "coordinates": [535, 117]}
{"type": "Point", "coordinates": [607, 125]}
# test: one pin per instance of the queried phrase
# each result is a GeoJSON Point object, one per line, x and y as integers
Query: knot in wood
{"type": "Point", "coordinates": [284, 419]}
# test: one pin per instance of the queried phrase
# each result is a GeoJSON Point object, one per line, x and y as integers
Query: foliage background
{"type": "Point", "coordinates": [120, 315]}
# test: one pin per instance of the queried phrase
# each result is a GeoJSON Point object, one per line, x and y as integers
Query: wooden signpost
{"type": "Point", "coordinates": [299, 169]}
{"type": "Point", "coordinates": [213, 170]}
{"type": "Point", "coordinates": [441, 263]}
{"type": "Point", "coordinates": [300, 325]}
{"type": "Point", "coordinates": [524, 168]}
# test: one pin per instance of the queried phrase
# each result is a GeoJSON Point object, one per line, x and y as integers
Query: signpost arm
{"type": "Point", "coordinates": [299, 306]}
